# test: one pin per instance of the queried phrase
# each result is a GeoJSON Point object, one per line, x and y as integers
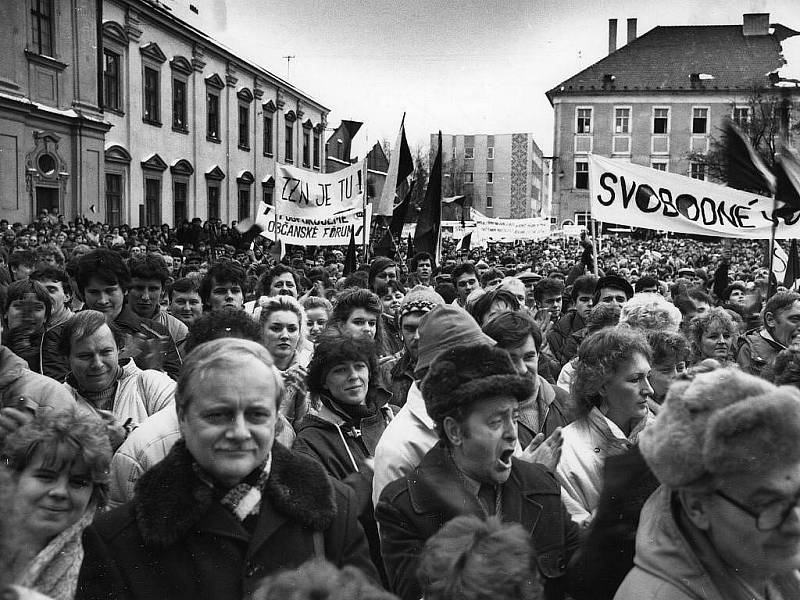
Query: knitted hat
{"type": "Point", "coordinates": [420, 298]}
{"type": "Point", "coordinates": [444, 327]}
{"type": "Point", "coordinates": [465, 374]}
{"type": "Point", "coordinates": [377, 265]}
{"type": "Point", "coordinates": [722, 422]}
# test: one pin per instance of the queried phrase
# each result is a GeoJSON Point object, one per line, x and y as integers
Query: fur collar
{"type": "Point", "coordinates": [170, 499]}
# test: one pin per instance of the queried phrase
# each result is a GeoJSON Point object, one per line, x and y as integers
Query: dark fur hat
{"type": "Point", "coordinates": [464, 375]}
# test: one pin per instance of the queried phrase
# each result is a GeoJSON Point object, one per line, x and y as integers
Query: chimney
{"type": "Point", "coordinates": [631, 30]}
{"type": "Point", "coordinates": [612, 35]}
{"type": "Point", "coordinates": [755, 24]}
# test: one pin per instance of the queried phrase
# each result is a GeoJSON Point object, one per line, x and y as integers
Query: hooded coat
{"type": "Point", "coordinates": [174, 540]}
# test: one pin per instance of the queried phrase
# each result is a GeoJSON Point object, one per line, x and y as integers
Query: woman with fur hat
{"type": "Point", "coordinates": [724, 524]}
{"type": "Point", "coordinates": [611, 392]}
{"type": "Point", "coordinates": [350, 413]}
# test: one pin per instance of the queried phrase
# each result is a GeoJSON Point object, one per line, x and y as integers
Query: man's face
{"type": "Point", "coordinates": [361, 323]}
{"type": "Point", "coordinates": [23, 240]}
{"type": "Point", "coordinates": [225, 294]}
{"type": "Point", "coordinates": [424, 270]}
{"type": "Point", "coordinates": [57, 295]}
{"type": "Point", "coordinates": [786, 325]}
{"type": "Point", "coordinates": [525, 358]}
{"type": "Point", "coordinates": [94, 360]}
{"type": "Point", "coordinates": [465, 284]}
{"type": "Point", "coordinates": [583, 305]}
{"type": "Point", "coordinates": [283, 285]}
{"type": "Point", "coordinates": [530, 299]}
{"type": "Point", "coordinates": [552, 302]}
{"type": "Point", "coordinates": [613, 296]}
{"type": "Point", "coordinates": [737, 297]}
{"type": "Point", "coordinates": [170, 262]}
{"type": "Point", "coordinates": [144, 296]}
{"type": "Point", "coordinates": [409, 325]}
{"type": "Point", "coordinates": [662, 375]}
{"type": "Point", "coordinates": [104, 297]}
{"type": "Point", "coordinates": [651, 289]}
{"type": "Point", "coordinates": [388, 274]}
{"type": "Point", "coordinates": [21, 272]}
{"type": "Point", "coordinates": [485, 441]}
{"type": "Point", "coordinates": [186, 306]}
{"type": "Point", "coordinates": [229, 425]}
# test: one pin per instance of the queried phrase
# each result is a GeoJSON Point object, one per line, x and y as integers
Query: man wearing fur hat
{"type": "Point", "coordinates": [472, 394]}
{"type": "Point", "coordinates": [398, 371]}
{"type": "Point", "coordinates": [724, 524]}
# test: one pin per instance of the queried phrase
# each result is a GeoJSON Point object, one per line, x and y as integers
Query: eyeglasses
{"type": "Point", "coordinates": [771, 516]}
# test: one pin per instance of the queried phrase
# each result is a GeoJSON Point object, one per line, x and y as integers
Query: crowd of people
{"type": "Point", "coordinates": [189, 414]}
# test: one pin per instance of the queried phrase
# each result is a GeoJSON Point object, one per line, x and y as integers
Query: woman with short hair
{"type": "Point", "coordinates": [712, 335]}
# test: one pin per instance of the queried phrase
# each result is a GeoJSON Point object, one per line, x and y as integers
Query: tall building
{"type": "Point", "coordinates": [120, 111]}
{"type": "Point", "coordinates": [500, 175]}
{"type": "Point", "coordinates": [660, 100]}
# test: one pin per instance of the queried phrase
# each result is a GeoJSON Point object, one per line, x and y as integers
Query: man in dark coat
{"type": "Point", "coordinates": [563, 346]}
{"type": "Point", "coordinates": [472, 394]}
{"type": "Point", "coordinates": [227, 506]}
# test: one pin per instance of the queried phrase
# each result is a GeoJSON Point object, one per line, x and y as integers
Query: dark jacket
{"type": "Point", "coordinates": [397, 373]}
{"type": "Point", "coordinates": [557, 414]}
{"type": "Point", "coordinates": [756, 350]}
{"type": "Point", "coordinates": [131, 325]}
{"type": "Point", "coordinates": [174, 540]}
{"type": "Point", "coordinates": [414, 508]}
{"type": "Point", "coordinates": [560, 340]}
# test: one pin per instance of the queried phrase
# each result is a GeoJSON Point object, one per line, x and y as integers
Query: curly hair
{"type": "Point", "coordinates": [318, 579]}
{"type": "Point", "coordinates": [62, 437]}
{"type": "Point", "coordinates": [668, 346]}
{"type": "Point", "coordinates": [700, 324]}
{"type": "Point", "coordinates": [648, 310]}
{"type": "Point", "coordinates": [335, 347]}
{"type": "Point", "coordinates": [600, 357]}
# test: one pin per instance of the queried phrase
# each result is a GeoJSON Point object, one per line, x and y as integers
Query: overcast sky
{"type": "Point", "coordinates": [469, 66]}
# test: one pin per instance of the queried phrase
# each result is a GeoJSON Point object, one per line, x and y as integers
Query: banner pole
{"type": "Point", "coordinates": [365, 230]}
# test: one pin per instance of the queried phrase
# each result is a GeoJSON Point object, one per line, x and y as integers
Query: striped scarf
{"type": "Point", "coordinates": [243, 499]}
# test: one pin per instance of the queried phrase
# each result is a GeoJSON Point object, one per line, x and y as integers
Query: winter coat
{"type": "Point", "coordinates": [587, 443]}
{"type": "Point", "coordinates": [756, 350]}
{"type": "Point", "coordinates": [17, 381]}
{"type": "Point", "coordinates": [176, 541]}
{"type": "Point", "coordinates": [557, 413]}
{"type": "Point", "coordinates": [675, 561]}
{"type": "Point", "coordinates": [139, 394]}
{"type": "Point", "coordinates": [563, 346]}
{"type": "Point", "coordinates": [397, 373]}
{"type": "Point", "coordinates": [414, 508]}
{"type": "Point", "coordinates": [129, 324]}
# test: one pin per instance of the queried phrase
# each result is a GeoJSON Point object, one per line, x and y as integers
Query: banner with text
{"type": "Point", "coordinates": [639, 196]}
{"type": "Point", "coordinates": [310, 231]}
{"type": "Point", "coordinates": [301, 193]}
{"type": "Point", "coordinates": [510, 230]}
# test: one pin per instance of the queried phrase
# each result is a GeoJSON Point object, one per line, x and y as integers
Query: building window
{"type": "Point", "coordinates": [244, 203]}
{"type": "Point", "coordinates": [583, 219]}
{"type": "Point", "coordinates": [212, 191]}
{"type": "Point", "coordinates": [489, 202]}
{"type": "Point", "coordinates": [179, 202]}
{"type": "Point", "coordinates": [179, 106]}
{"type": "Point", "coordinates": [741, 115]}
{"type": "Point", "coordinates": [42, 26]}
{"type": "Point", "coordinates": [468, 177]}
{"type": "Point", "coordinates": [244, 127]}
{"type": "Point", "coordinates": [660, 120]}
{"type": "Point", "coordinates": [268, 134]}
{"type": "Point", "coordinates": [152, 95]}
{"type": "Point", "coordinates": [490, 152]}
{"type": "Point", "coordinates": [268, 190]}
{"type": "Point", "coordinates": [306, 149]}
{"type": "Point", "coordinates": [700, 121]}
{"type": "Point", "coordinates": [659, 165]}
{"type": "Point", "coordinates": [489, 177]}
{"type": "Point", "coordinates": [316, 149]}
{"type": "Point", "coordinates": [288, 154]}
{"type": "Point", "coordinates": [584, 120]}
{"type": "Point", "coordinates": [111, 80]}
{"type": "Point", "coordinates": [697, 170]}
{"type": "Point", "coordinates": [212, 111]}
{"type": "Point", "coordinates": [622, 120]}
{"type": "Point", "coordinates": [582, 175]}
{"type": "Point", "coordinates": [469, 152]}
{"type": "Point", "coordinates": [113, 198]}
{"type": "Point", "coordinates": [152, 202]}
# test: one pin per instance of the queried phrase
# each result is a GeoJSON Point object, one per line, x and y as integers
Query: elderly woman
{"type": "Point", "coordinates": [58, 466]}
{"type": "Point", "coordinates": [724, 523]}
{"type": "Point", "coordinates": [227, 506]}
{"type": "Point", "coordinates": [118, 390]}
{"type": "Point", "coordinates": [650, 311]}
{"type": "Point", "coordinates": [712, 334]}
{"type": "Point", "coordinates": [611, 391]}
{"type": "Point", "coordinates": [283, 323]}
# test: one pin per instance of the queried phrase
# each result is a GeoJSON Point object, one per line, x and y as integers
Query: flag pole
{"type": "Point", "coordinates": [365, 230]}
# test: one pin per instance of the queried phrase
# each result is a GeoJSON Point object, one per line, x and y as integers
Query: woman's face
{"type": "Point", "coordinates": [347, 382]}
{"type": "Point", "coordinates": [94, 360]}
{"type": "Point", "coordinates": [49, 500]}
{"type": "Point", "coordinates": [716, 342]}
{"type": "Point", "coordinates": [316, 321]}
{"type": "Point", "coordinates": [627, 392]}
{"type": "Point", "coordinates": [27, 312]}
{"type": "Point", "coordinates": [281, 334]}
{"type": "Point", "coordinates": [391, 302]}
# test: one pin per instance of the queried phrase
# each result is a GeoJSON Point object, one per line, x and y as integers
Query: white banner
{"type": "Point", "coordinates": [301, 193]}
{"type": "Point", "coordinates": [310, 231]}
{"type": "Point", "coordinates": [639, 196]}
{"type": "Point", "coordinates": [510, 230]}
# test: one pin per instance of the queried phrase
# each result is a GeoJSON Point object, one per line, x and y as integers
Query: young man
{"type": "Point", "coordinates": [149, 275]}
{"type": "Point", "coordinates": [56, 282]}
{"type": "Point", "coordinates": [465, 278]}
{"type": "Point", "coordinates": [559, 338]}
{"type": "Point", "coordinates": [472, 394]}
{"type": "Point", "coordinates": [223, 287]}
{"type": "Point", "coordinates": [422, 267]}
{"type": "Point", "coordinates": [381, 271]}
{"type": "Point", "coordinates": [184, 301]}
{"type": "Point", "coordinates": [21, 264]}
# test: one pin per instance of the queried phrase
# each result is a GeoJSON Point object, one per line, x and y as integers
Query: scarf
{"type": "Point", "coordinates": [103, 399]}
{"type": "Point", "coordinates": [54, 571]}
{"type": "Point", "coordinates": [352, 414]}
{"type": "Point", "coordinates": [243, 499]}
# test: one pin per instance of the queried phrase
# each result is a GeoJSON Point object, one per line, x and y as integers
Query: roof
{"type": "Point", "coordinates": [664, 58]}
